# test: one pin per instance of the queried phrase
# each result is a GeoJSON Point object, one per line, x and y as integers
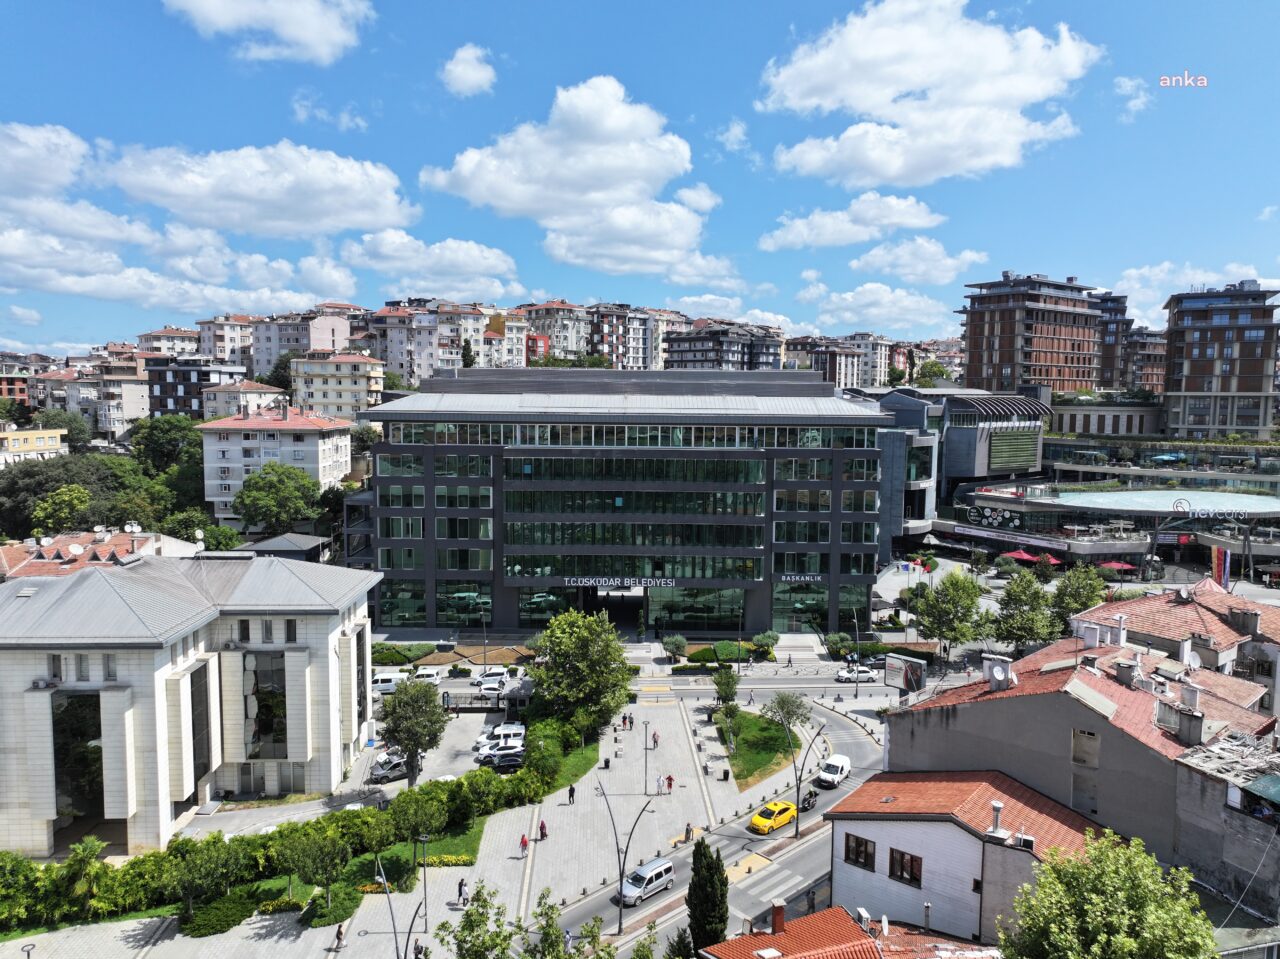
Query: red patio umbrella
{"type": "Point", "coordinates": [1116, 564]}
{"type": "Point", "coordinates": [1053, 561]}
{"type": "Point", "coordinates": [1021, 555]}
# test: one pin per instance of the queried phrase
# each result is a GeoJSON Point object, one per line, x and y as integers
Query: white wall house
{"type": "Point", "coordinates": [228, 399]}
{"type": "Point", "coordinates": [174, 340]}
{"type": "Point", "coordinates": [238, 446]}
{"type": "Point", "coordinates": [228, 338]}
{"type": "Point", "coordinates": [336, 384]}
{"type": "Point", "coordinates": [132, 694]}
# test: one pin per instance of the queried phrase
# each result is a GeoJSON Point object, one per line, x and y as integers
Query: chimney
{"type": "Point", "coordinates": [1191, 697]}
{"type": "Point", "coordinates": [928, 907]}
{"type": "Point", "coordinates": [1126, 672]}
{"type": "Point", "coordinates": [779, 916]}
{"type": "Point", "coordinates": [1089, 632]}
{"type": "Point", "coordinates": [1190, 727]}
{"type": "Point", "coordinates": [1122, 634]}
{"type": "Point", "coordinates": [244, 411]}
{"type": "Point", "coordinates": [996, 807]}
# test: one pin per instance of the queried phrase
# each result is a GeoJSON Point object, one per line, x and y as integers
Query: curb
{"type": "Point", "coordinates": [857, 721]}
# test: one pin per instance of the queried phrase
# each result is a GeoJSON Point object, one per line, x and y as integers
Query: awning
{"type": "Point", "coordinates": [1268, 787]}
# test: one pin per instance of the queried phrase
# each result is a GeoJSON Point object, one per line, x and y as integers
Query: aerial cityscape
{"type": "Point", "coordinates": [617, 483]}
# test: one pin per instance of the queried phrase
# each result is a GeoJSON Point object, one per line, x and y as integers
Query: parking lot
{"type": "Point", "coordinates": [454, 755]}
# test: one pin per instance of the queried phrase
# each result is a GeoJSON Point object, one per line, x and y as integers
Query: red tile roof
{"type": "Point", "coordinates": [58, 375]}
{"type": "Point", "coordinates": [59, 559]}
{"type": "Point", "coordinates": [1206, 610]}
{"type": "Point", "coordinates": [555, 305]}
{"type": "Point", "coordinates": [392, 311]}
{"type": "Point", "coordinates": [338, 358]}
{"type": "Point", "coordinates": [965, 797]}
{"type": "Point", "coordinates": [242, 386]}
{"type": "Point", "coordinates": [829, 934]}
{"type": "Point", "coordinates": [297, 422]}
{"type": "Point", "coordinates": [339, 306]}
{"type": "Point", "coordinates": [912, 942]}
{"type": "Point", "coordinates": [173, 332]}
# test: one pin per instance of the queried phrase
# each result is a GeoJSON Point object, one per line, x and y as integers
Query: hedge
{"type": "Point", "coordinates": [399, 654]}
{"type": "Point", "coordinates": [693, 668]}
{"type": "Point", "coordinates": [456, 671]}
{"type": "Point", "coordinates": [283, 904]}
{"type": "Point", "coordinates": [346, 900]}
{"type": "Point", "coordinates": [446, 861]}
{"type": "Point", "coordinates": [704, 655]}
{"type": "Point", "coordinates": [221, 915]}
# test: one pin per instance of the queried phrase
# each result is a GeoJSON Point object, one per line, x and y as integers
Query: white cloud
{"type": "Point", "coordinates": [869, 216]}
{"type": "Point", "coordinates": [591, 176]}
{"type": "Point", "coordinates": [313, 31]}
{"type": "Point", "coordinates": [307, 105]}
{"type": "Point", "coordinates": [813, 292]}
{"type": "Point", "coordinates": [1148, 287]}
{"type": "Point", "coordinates": [59, 348]}
{"type": "Point", "coordinates": [734, 139]}
{"type": "Point", "coordinates": [699, 198]}
{"type": "Point", "coordinates": [1267, 213]}
{"type": "Point", "coordinates": [880, 308]}
{"type": "Point", "coordinates": [468, 71]}
{"type": "Point", "coordinates": [39, 160]}
{"type": "Point", "coordinates": [79, 220]}
{"type": "Point", "coordinates": [811, 276]}
{"type": "Point", "coordinates": [920, 259]}
{"type": "Point", "coordinates": [707, 304]}
{"type": "Point", "coordinates": [934, 93]}
{"type": "Point", "coordinates": [1137, 99]}
{"type": "Point", "coordinates": [451, 269]}
{"type": "Point", "coordinates": [25, 316]}
{"type": "Point", "coordinates": [283, 190]}
{"type": "Point", "coordinates": [326, 274]}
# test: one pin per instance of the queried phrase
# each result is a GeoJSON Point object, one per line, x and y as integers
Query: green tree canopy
{"type": "Point", "coordinates": [322, 857]}
{"type": "Point", "coordinates": [197, 870]}
{"type": "Point", "coordinates": [61, 510]}
{"type": "Point", "coordinates": [950, 611]}
{"type": "Point", "coordinates": [582, 668]}
{"type": "Point", "coordinates": [281, 374]}
{"type": "Point", "coordinates": [680, 946]}
{"type": "Point", "coordinates": [482, 932]}
{"type": "Point", "coordinates": [414, 720]}
{"type": "Point", "coordinates": [393, 381]}
{"type": "Point", "coordinates": [11, 411]}
{"type": "Point", "coordinates": [468, 355]}
{"type": "Point", "coordinates": [896, 376]}
{"type": "Point", "coordinates": [184, 524]}
{"type": "Point", "coordinates": [79, 432]}
{"type": "Point", "coordinates": [594, 361]}
{"type": "Point", "coordinates": [928, 372]}
{"type": "Point", "coordinates": [1025, 617]}
{"type": "Point", "coordinates": [707, 897]}
{"type": "Point", "coordinates": [363, 436]}
{"type": "Point", "coordinates": [276, 498]}
{"type": "Point", "coordinates": [1112, 902]}
{"type": "Point", "coordinates": [675, 645]}
{"type": "Point", "coordinates": [22, 484]}
{"type": "Point", "coordinates": [159, 442]}
{"type": "Point", "coordinates": [1080, 588]}
{"type": "Point", "coordinates": [726, 683]}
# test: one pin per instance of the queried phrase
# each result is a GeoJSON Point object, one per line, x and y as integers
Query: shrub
{"type": "Point", "coordinates": [369, 888]}
{"type": "Point", "coordinates": [399, 654]}
{"type": "Point", "coordinates": [692, 668]}
{"type": "Point", "coordinates": [766, 640]}
{"type": "Point", "coordinates": [635, 670]}
{"type": "Point", "coordinates": [704, 655]}
{"type": "Point", "coordinates": [727, 651]}
{"type": "Point", "coordinates": [346, 900]}
{"type": "Point", "coordinates": [434, 861]}
{"type": "Point", "coordinates": [283, 904]}
{"type": "Point", "coordinates": [456, 671]}
{"type": "Point", "coordinates": [221, 915]}
{"type": "Point", "coordinates": [1108, 575]}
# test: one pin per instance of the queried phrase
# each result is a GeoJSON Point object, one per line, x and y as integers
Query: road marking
{"type": "Point", "coordinates": [702, 780]}
{"type": "Point", "coordinates": [656, 689]}
{"type": "Point", "coordinates": [751, 864]}
{"type": "Point", "coordinates": [526, 879]}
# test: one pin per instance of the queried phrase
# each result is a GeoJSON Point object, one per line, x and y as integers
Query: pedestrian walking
{"type": "Point", "coordinates": [671, 781]}
{"type": "Point", "coordinates": [788, 659]}
{"type": "Point", "coordinates": [338, 937]}
{"type": "Point", "coordinates": [688, 832]}
{"type": "Point", "coordinates": [572, 792]}
{"type": "Point", "coordinates": [655, 739]}
{"type": "Point", "coordinates": [659, 784]}
{"type": "Point", "coordinates": [811, 901]}
{"type": "Point", "coordinates": [568, 940]}
{"type": "Point", "coordinates": [542, 830]}
{"type": "Point", "coordinates": [524, 845]}
{"type": "Point", "coordinates": [624, 722]}
{"type": "Point", "coordinates": [751, 698]}
{"type": "Point", "coordinates": [462, 892]}
{"type": "Point", "coordinates": [417, 949]}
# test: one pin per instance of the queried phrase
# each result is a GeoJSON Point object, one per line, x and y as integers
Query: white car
{"type": "Point", "coordinates": [428, 674]}
{"type": "Point", "coordinates": [491, 674]}
{"type": "Point", "coordinates": [857, 674]}
{"type": "Point", "coordinates": [490, 753]}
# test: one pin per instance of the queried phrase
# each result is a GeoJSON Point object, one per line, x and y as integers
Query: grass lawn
{"type": "Point", "coordinates": [576, 765]}
{"type": "Point", "coordinates": [170, 910]}
{"type": "Point", "coordinates": [360, 869]}
{"type": "Point", "coordinates": [759, 751]}
{"type": "Point", "coordinates": [288, 799]}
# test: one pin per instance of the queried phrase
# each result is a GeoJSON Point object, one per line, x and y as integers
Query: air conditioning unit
{"type": "Point", "coordinates": [230, 644]}
{"type": "Point", "coordinates": [39, 684]}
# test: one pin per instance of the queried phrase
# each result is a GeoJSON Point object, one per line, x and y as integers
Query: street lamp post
{"type": "Point", "coordinates": [380, 876]}
{"type": "Point", "coordinates": [857, 654]}
{"type": "Point", "coordinates": [645, 746]}
{"type": "Point", "coordinates": [426, 926]}
{"type": "Point", "coordinates": [796, 769]}
{"type": "Point", "coordinates": [620, 849]}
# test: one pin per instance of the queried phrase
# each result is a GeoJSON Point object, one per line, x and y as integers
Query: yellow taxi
{"type": "Point", "coordinates": [773, 816]}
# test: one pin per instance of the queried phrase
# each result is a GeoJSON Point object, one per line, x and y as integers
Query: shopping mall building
{"type": "Point", "coordinates": [698, 502]}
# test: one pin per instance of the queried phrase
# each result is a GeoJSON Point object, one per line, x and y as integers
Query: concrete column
{"type": "Point", "coordinates": [231, 670]}
{"type": "Point", "coordinates": [297, 685]}
{"type": "Point", "coordinates": [347, 692]}
{"type": "Point", "coordinates": [215, 712]}
{"type": "Point", "coordinates": [119, 786]}
{"type": "Point", "coordinates": [182, 781]}
{"type": "Point", "coordinates": [42, 794]}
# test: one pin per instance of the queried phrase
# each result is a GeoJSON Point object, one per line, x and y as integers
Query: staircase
{"type": "Point", "coordinates": [803, 648]}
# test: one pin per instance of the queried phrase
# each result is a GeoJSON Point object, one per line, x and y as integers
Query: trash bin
{"type": "Point", "coordinates": [606, 762]}
{"type": "Point", "coordinates": [724, 775]}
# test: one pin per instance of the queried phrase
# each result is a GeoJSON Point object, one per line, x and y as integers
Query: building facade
{"type": "Point", "coordinates": [236, 447]}
{"type": "Point", "coordinates": [1030, 330]}
{"type": "Point", "coordinates": [222, 671]}
{"type": "Point", "coordinates": [1144, 360]}
{"type": "Point", "coordinates": [1220, 362]}
{"type": "Point", "coordinates": [719, 345]}
{"type": "Point", "coordinates": [228, 338]}
{"type": "Point", "coordinates": [274, 336]}
{"type": "Point", "coordinates": [1113, 330]}
{"type": "Point", "coordinates": [176, 385]}
{"type": "Point", "coordinates": [14, 382]}
{"type": "Point", "coordinates": [336, 384]}
{"type": "Point", "coordinates": [122, 394]}
{"type": "Point", "coordinates": [240, 396]}
{"type": "Point", "coordinates": [717, 503]}
{"type": "Point", "coordinates": [18, 445]}
{"type": "Point", "coordinates": [174, 340]}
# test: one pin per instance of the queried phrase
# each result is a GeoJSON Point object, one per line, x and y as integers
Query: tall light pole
{"type": "Point", "coordinates": [645, 746]}
{"type": "Point", "coordinates": [426, 926]}
{"type": "Point", "coordinates": [380, 876]}
{"type": "Point", "coordinates": [796, 769]}
{"type": "Point", "coordinates": [618, 847]}
{"type": "Point", "coordinates": [857, 650]}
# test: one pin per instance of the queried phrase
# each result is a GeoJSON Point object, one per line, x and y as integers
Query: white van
{"type": "Point", "coordinates": [653, 876]}
{"type": "Point", "coordinates": [387, 682]}
{"type": "Point", "coordinates": [498, 738]}
{"type": "Point", "coordinates": [833, 771]}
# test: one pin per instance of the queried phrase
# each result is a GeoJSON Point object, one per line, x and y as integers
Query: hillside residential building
{"type": "Point", "coordinates": [48, 390]}
{"type": "Point", "coordinates": [174, 340]}
{"type": "Point", "coordinates": [566, 325]}
{"type": "Point", "coordinates": [82, 394]}
{"type": "Point", "coordinates": [945, 850]}
{"type": "Point", "coordinates": [13, 382]}
{"type": "Point", "coordinates": [1144, 360]}
{"type": "Point", "coordinates": [171, 679]}
{"type": "Point", "coordinates": [239, 396]}
{"type": "Point", "coordinates": [238, 446]}
{"type": "Point", "coordinates": [176, 385]}
{"type": "Point", "coordinates": [336, 384]}
{"type": "Point", "coordinates": [1113, 330]}
{"type": "Point", "coordinates": [610, 333]}
{"type": "Point", "coordinates": [1220, 362]}
{"type": "Point", "coordinates": [30, 444]}
{"type": "Point", "coordinates": [274, 336]}
{"type": "Point", "coordinates": [1030, 330]}
{"type": "Point", "coordinates": [122, 394]}
{"type": "Point", "coordinates": [227, 338]}
{"type": "Point", "coordinates": [68, 553]}
{"type": "Point", "coordinates": [721, 345]}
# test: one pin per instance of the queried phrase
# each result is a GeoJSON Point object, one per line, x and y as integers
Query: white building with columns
{"type": "Point", "coordinates": [130, 695]}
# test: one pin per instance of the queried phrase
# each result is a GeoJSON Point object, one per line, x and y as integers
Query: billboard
{"type": "Point", "coordinates": [904, 672]}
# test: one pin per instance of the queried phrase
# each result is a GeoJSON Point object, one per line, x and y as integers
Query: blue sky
{"type": "Point", "coordinates": [828, 166]}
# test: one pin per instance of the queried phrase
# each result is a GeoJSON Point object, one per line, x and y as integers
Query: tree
{"type": "Point", "coordinates": [675, 645]}
{"type": "Point", "coordinates": [159, 442]}
{"type": "Point", "coordinates": [644, 948]}
{"type": "Point", "coordinates": [276, 498]}
{"type": "Point", "coordinates": [363, 436]}
{"type": "Point", "coordinates": [393, 381]}
{"type": "Point", "coordinates": [1080, 588]}
{"type": "Point", "coordinates": [582, 667]}
{"type": "Point", "coordinates": [896, 376]}
{"type": "Point", "coordinates": [61, 510]}
{"type": "Point", "coordinates": [766, 640]}
{"type": "Point", "coordinates": [707, 897]}
{"type": "Point", "coordinates": [680, 947]}
{"type": "Point", "coordinates": [928, 373]}
{"type": "Point", "coordinates": [482, 932]}
{"type": "Point", "coordinates": [948, 612]}
{"type": "Point", "coordinates": [198, 870]}
{"type": "Point", "coordinates": [323, 857]}
{"type": "Point", "coordinates": [183, 525]}
{"type": "Point", "coordinates": [726, 683]}
{"type": "Point", "coordinates": [288, 849]}
{"type": "Point", "coordinates": [468, 355]}
{"type": "Point", "coordinates": [1025, 618]}
{"type": "Point", "coordinates": [789, 710]}
{"type": "Point", "coordinates": [543, 753]}
{"type": "Point", "coordinates": [911, 364]}
{"type": "Point", "coordinates": [185, 480]}
{"type": "Point", "coordinates": [18, 879]}
{"type": "Point", "coordinates": [414, 720]}
{"type": "Point", "coordinates": [11, 411]}
{"type": "Point", "coordinates": [1112, 902]}
{"type": "Point", "coordinates": [22, 484]}
{"type": "Point", "coordinates": [281, 375]}
{"type": "Point", "coordinates": [82, 881]}
{"type": "Point", "coordinates": [1043, 570]}
{"type": "Point", "coordinates": [542, 937]}
{"type": "Point", "coordinates": [78, 430]}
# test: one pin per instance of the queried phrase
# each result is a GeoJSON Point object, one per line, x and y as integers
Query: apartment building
{"type": "Point", "coordinates": [721, 345]}
{"type": "Point", "coordinates": [174, 340]}
{"type": "Point", "coordinates": [875, 357]}
{"type": "Point", "coordinates": [239, 396]}
{"type": "Point", "coordinates": [176, 385]}
{"type": "Point", "coordinates": [1113, 331]}
{"type": "Point", "coordinates": [1220, 363]}
{"type": "Point", "coordinates": [228, 338]}
{"type": "Point", "coordinates": [18, 445]}
{"type": "Point", "coordinates": [837, 365]}
{"type": "Point", "coordinates": [610, 332]}
{"type": "Point", "coordinates": [238, 446]}
{"type": "Point", "coordinates": [336, 384]}
{"type": "Point", "coordinates": [1030, 330]}
{"type": "Point", "coordinates": [169, 680]}
{"type": "Point", "coordinates": [48, 390]}
{"type": "Point", "coordinates": [1144, 360]}
{"type": "Point", "coordinates": [663, 323]}
{"type": "Point", "coordinates": [13, 381]}
{"type": "Point", "coordinates": [274, 336]}
{"type": "Point", "coordinates": [566, 326]}
{"type": "Point", "coordinates": [122, 393]}
{"type": "Point", "coordinates": [537, 347]}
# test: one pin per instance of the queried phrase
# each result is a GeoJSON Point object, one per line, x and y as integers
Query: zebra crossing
{"type": "Point", "coordinates": [775, 882]}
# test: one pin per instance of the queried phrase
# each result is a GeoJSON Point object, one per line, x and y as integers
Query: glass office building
{"type": "Point", "coordinates": [698, 502]}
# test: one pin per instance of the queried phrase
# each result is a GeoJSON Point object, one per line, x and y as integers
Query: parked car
{"type": "Point", "coordinates": [856, 674]}
{"type": "Point", "coordinates": [833, 771]}
{"type": "Point", "coordinates": [489, 674]}
{"type": "Point", "coordinates": [508, 764]}
{"type": "Point", "coordinates": [387, 682]}
{"type": "Point", "coordinates": [429, 674]}
{"type": "Point", "coordinates": [396, 769]}
{"type": "Point", "coordinates": [498, 739]}
{"type": "Point", "coordinates": [773, 816]}
{"type": "Point", "coordinates": [874, 662]}
{"type": "Point", "coordinates": [648, 878]}
{"type": "Point", "coordinates": [490, 756]}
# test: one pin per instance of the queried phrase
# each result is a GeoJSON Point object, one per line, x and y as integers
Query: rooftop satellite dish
{"type": "Point", "coordinates": [1194, 660]}
{"type": "Point", "coordinates": [199, 535]}
{"type": "Point", "coordinates": [99, 529]}
{"type": "Point", "coordinates": [1183, 594]}
{"type": "Point", "coordinates": [199, 547]}
{"type": "Point", "coordinates": [997, 673]}
{"type": "Point", "coordinates": [76, 549]}
{"type": "Point", "coordinates": [46, 540]}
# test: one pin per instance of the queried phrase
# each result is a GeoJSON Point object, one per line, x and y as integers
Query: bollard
{"type": "Point", "coordinates": [584, 889]}
{"type": "Point", "coordinates": [563, 901]}
{"type": "Point", "coordinates": [604, 882]}
{"type": "Point", "coordinates": [748, 870]}
{"type": "Point", "coordinates": [722, 817]}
